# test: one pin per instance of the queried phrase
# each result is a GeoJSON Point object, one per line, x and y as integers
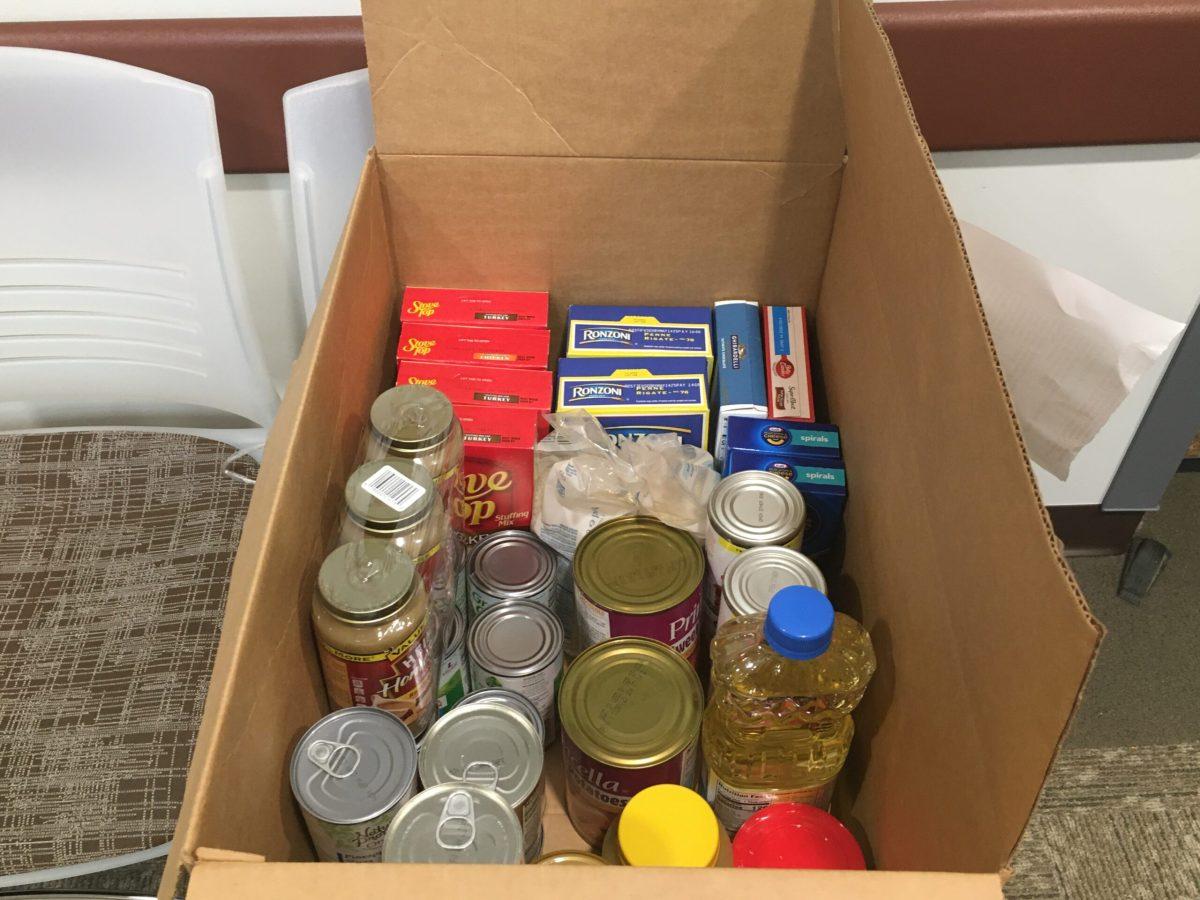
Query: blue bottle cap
{"type": "Point", "coordinates": [799, 623]}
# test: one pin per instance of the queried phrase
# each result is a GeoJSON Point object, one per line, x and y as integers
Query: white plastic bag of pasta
{"type": "Point", "coordinates": [583, 477]}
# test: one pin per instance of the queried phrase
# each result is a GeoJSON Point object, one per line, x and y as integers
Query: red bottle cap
{"type": "Point", "coordinates": [795, 836]}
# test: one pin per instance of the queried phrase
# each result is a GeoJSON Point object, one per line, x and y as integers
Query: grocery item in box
{"type": "Point", "coordinates": [453, 306]}
{"type": "Point", "coordinates": [482, 385]}
{"type": "Point", "coordinates": [527, 348]}
{"type": "Point", "coordinates": [789, 374]}
{"type": "Point", "coordinates": [640, 331]}
{"type": "Point", "coordinates": [779, 436]}
{"type": "Point", "coordinates": [822, 482]}
{"type": "Point", "coordinates": [639, 396]}
{"type": "Point", "coordinates": [497, 480]}
{"type": "Point", "coordinates": [740, 386]}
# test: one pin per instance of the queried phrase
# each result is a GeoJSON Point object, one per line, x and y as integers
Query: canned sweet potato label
{"type": "Point", "coordinates": [677, 627]}
{"type": "Point", "coordinates": [597, 792]}
{"type": "Point", "coordinates": [401, 680]}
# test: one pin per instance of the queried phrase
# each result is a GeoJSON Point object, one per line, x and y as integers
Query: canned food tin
{"type": "Point", "coordinates": [570, 858]}
{"type": "Point", "coordinates": [630, 713]}
{"type": "Point", "coordinates": [493, 747]}
{"type": "Point", "coordinates": [417, 423]}
{"type": "Point", "coordinates": [747, 509]}
{"type": "Point", "coordinates": [511, 700]}
{"type": "Point", "coordinates": [452, 678]}
{"type": "Point", "coordinates": [395, 500]}
{"type": "Point", "coordinates": [753, 578]}
{"type": "Point", "coordinates": [455, 823]}
{"type": "Point", "coordinates": [377, 643]}
{"type": "Point", "coordinates": [510, 565]}
{"type": "Point", "coordinates": [519, 645]}
{"type": "Point", "coordinates": [751, 509]}
{"type": "Point", "coordinates": [637, 577]}
{"type": "Point", "coordinates": [350, 773]}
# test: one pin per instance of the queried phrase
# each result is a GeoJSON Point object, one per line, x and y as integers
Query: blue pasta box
{"type": "Point", "coordinates": [823, 484]}
{"type": "Point", "coordinates": [658, 331]}
{"type": "Point", "coordinates": [740, 386]}
{"type": "Point", "coordinates": [785, 437]}
{"type": "Point", "coordinates": [639, 396]}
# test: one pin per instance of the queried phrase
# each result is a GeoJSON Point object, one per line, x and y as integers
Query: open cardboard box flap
{"type": "Point", "coordinates": [678, 152]}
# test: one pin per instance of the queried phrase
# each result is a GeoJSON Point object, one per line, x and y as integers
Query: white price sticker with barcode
{"type": "Point", "coordinates": [394, 488]}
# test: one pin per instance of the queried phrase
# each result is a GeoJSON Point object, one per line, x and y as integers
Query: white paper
{"type": "Point", "coordinates": [1071, 351]}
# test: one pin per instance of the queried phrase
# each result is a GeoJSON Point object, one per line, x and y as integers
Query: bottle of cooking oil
{"type": "Point", "coordinates": [777, 727]}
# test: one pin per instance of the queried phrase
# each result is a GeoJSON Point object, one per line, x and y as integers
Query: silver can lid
{"type": "Point", "coordinates": [353, 765]}
{"type": "Point", "coordinates": [515, 638]}
{"type": "Point", "coordinates": [755, 509]}
{"type": "Point", "coordinates": [412, 418]}
{"type": "Point", "coordinates": [512, 564]}
{"type": "Point", "coordinates": [389, 495]}
{"type": "Point", "coordinates": [367, 580]}
{"type": "Point", "coordinates": [455, 823]}
{"type": "Point", "coordinates": [754, 576]}
{"type": "Point", "coordinates": [485, 745]}
{"type": "Point", "coordinates": [512, 700]}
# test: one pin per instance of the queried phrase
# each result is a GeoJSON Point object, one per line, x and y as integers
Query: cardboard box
{"type": "Point", "coordinates": [788, 368]}
{"type": "Point", "coordinates": [639, 396]}
{"type": "Point", "coordinates": [767, 150]}
{"type": "Point", "coordinates": [454, 306]}
{"type": "Point", "coordinates": [527, 348]}
{"type": "Point", "coordinates": [640, 331]}
{"type": "Point", "coordinates": [740, 387]}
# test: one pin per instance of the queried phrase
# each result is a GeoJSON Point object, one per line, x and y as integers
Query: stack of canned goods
{"type": "Point", "coordinates": [448, 672]}
{"type": "Point", "coordinates": [357, 775]}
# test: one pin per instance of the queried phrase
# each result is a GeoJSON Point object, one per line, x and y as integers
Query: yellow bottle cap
{"type": "Point", "coordinates": [668, 825]}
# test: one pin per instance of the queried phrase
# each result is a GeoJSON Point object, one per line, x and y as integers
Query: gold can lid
{"type": "Point", "coordinates": [389, 495]}
{"type": "Point", "coordinates": [412, 418]}
{"type": "Point", "coordinates": [638, 565]}
{"type": "Point", "coordinates": [631, 702]}
{"type": "Point", "coordinates": [365, 581]}
{"type": "Point", "coordinates": [569, 858]}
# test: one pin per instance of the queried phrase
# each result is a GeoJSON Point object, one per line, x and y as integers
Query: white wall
{"type": "Point", "coordinates": [1128, 218]}
{"type": "Point", "coordinates": [1125, 217]}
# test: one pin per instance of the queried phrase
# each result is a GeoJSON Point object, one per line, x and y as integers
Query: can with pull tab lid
{"type": "Point", "coordinates": [350, 773]}
{"type": "Point", "coordinates": [455, 823]}
{"type": "Point", "coordinates": [492, 747]}
{"type": "Point", "coordinates": [512, 700]}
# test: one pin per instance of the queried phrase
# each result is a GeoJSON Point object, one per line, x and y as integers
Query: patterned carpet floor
{"type": "Point", "coordinates": [1116, 823]}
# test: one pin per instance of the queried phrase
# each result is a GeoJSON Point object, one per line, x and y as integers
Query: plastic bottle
{"type": "Point", "coordinates": [777, 727]}
{"type": "Point", "coordinates": [667, 825]}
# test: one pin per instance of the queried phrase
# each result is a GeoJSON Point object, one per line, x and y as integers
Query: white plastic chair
{"type": "Point", "coordinates": [119, 291]}
{"type": "Point", "coordinates": [118, 281]}
{"type": "Point", "coordinates": [329, 131]}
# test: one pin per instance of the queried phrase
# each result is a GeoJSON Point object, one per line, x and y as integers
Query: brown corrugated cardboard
{"type": "Point", "coordinates": [982, 636]}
